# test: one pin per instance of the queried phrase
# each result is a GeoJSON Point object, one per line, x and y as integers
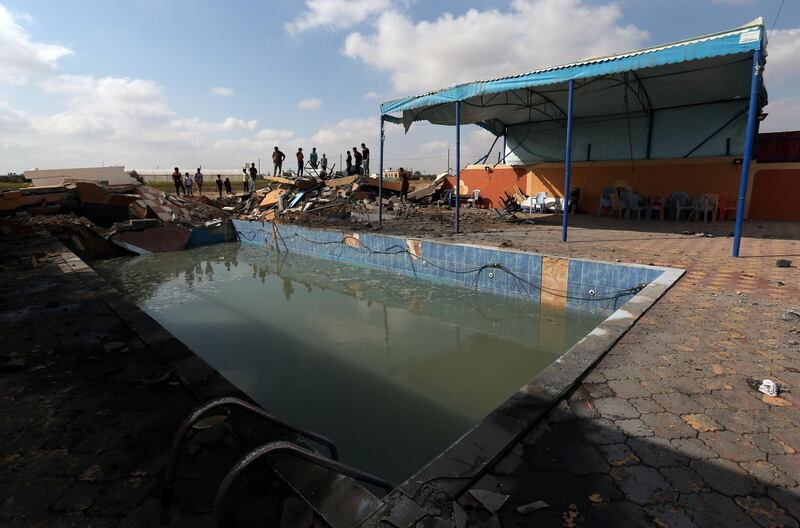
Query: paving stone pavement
{"type": "Point", "coordinates": [665, 431]}
{"type": "Point", "coordinates": [84, 432]}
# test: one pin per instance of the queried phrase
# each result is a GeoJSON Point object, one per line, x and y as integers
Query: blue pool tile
{"type": "Point", "coordinates": [604, 273]}
{"type": "Point", "coordinates": [620, 277]}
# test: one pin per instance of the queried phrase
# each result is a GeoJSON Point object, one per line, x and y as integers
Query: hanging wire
{"type": "Point", "coordinates": [524, 286]}
{"type": "Point", "coordinates": [775, 23]}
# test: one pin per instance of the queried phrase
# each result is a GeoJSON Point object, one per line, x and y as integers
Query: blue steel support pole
{"type": "Point", "coordinates": [458, 165]}
{"type": "Point", "coordinates": [748, 150]}
{"type": "Point", "coordinates": [380, 178]}
{"type": "Point", "coordinates": [568, 161]}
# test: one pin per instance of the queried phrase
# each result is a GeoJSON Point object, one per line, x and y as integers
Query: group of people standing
{"type": "Point", "coordinates": [357, 163]}
{"type": "Point", "coordinates": [361, 165]}
{"type": "Point", "coordinates": [184, 183]}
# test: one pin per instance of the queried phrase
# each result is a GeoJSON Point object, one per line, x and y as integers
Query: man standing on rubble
{"type": "Point", "coordinates": [403, 185]}
{"type": "Point", "coordinates": [359, 159]}
{"type": "Point", "coordinates": [349, 162]}
{"type": "Point", "coordinates": [177, 180]}
{"type": "Point", "coordinates": [228, 188]}
{"type": "Point", "coordinates": [253, 176]}
{"type": "Point", "coordinates": [219, 185]}
{"type": "Point", "coordinates": [187, 182]}
{"type": "Point", "coordinates": [365, 156]}
{"type": "Point", "coordinates": [245, 181]}
{"type": "Point", "coordinates": [324, 163]}
{"type": "Point", "coordinates": [277, 160]}
{"type": "Point", "coordinates": [312, 158]}
{"type": "Point", "coordinates": [300, 161]}
{"type": "Point", "coordinates": [198, 179]}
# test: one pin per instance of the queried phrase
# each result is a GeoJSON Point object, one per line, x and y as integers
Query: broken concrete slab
{"type": "Point", "coordinates": [490, 500]}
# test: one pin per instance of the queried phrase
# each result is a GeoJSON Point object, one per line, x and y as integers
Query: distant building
{"type": "Point", "coordinates": [395, 173]}
{"type": "Point", "coordinates": [115, 175]}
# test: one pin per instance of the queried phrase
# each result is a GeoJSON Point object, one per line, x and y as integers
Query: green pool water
{"type": "Point", "coordinates": [392, 368]}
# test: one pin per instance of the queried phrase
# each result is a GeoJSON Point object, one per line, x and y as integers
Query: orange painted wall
{"type": "Point", "coordinates": [493, 184]}
{"type": "Point", "coordinates": [776, 195]}
{"type": "Point", "coordinates": [649, 178]}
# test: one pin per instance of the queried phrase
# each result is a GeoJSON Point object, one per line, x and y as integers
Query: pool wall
{"type": "Point", "coordinates": [590, 286]}
{"type": "Point", "coordinates": [634, 287]}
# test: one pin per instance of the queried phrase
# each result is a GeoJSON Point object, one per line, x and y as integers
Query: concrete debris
{"type": "Point", "coordinates": [532, 507]}
{"type": "Point", "coordinates": [792, 315]}
{"type": "Point", "coordinates": [310, 198]}
{"type": "Point", "coordinates": [490, 500]}
{"type": "Point", "coordinates": [98, 220]}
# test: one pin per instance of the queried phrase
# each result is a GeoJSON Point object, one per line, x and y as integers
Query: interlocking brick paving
{"type": "Point", "coordinates": [665, 430]}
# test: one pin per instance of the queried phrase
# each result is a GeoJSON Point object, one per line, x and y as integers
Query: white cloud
{"type": "Point", "coordinates": [309, 104]}
{"type": "Point", "coordinates": [783, 65]}
{"type": "Point", "coordinates": [221, 91]}
{"type": "Point", "coordinates": [434, 147]}
{"type": "Point", "coordinates": [122, 120]}
{"type": "Point", "coordinates": [784, 114]}
{"type": "Point", "coordinates": [20, 56]}
{"type": "Point", "coordinates": [336, 14]}
{"type": "Point", "coordinates": [269, 134]}
{"type": "Point", "coordinates": [481, 44]}
{"type": "Point", "coordinates": [373, 95]}
{"type": "Point", "coordinates": [349, 133]}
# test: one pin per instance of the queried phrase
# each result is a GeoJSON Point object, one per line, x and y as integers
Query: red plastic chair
{"type": "Point", "coordinates": [724, 205]}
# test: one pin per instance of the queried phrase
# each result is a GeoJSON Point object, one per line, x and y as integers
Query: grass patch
{"type": "Point", "coordinates": [10, 186]}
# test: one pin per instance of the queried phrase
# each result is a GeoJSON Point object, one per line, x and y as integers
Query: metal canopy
{"type": "Point", "coordinates": [697, 97]}
{"type": "Point", "coordinates": [702, 70]}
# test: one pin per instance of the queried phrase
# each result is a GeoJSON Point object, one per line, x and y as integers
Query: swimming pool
{"type": "Point", "coordinates": [394, 368]}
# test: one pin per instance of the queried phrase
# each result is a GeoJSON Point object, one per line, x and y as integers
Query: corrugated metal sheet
{"type": "Point", "coordinates": [738, 41]}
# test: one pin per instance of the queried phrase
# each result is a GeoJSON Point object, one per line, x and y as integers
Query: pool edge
{"type": "Point", "coordinates": [487, 442]}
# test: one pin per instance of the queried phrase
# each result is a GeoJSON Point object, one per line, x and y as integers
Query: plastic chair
{"type": "Point", "coordinates": [657, 205]}
{"type": "Point", "coordinates": [617, 207]}
{"type": "Point", "coordinates": [703, 204]}
{"type": "Point", "coordinates": [447, 197]}
{"type": "Point", "coordinates": [724, 205]}
{"type": "Point", "coordinates": [540, 198]}
{"type": "Point", "coordinates": [605, 199]}
{"type": "Point", "coordinates": [678, 202]}
{"type": "Point", "coordinates": [635, 205]}
{"type": "Point", "coordinates": [475, 200]}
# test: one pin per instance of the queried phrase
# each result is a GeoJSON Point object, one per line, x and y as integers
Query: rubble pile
{"type": "Point", "coordinates": [99, 220]}
{"type": "Point", "coordinates": [311, 198]}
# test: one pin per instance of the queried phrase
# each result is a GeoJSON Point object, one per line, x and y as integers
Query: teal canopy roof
{"type": "Point", "coordinates": [709, 71]}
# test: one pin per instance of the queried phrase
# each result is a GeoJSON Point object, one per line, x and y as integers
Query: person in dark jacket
{"type": "Point", "coordinates": [177, 179]}
{"type": "Point", "coordinates": [253, 176]}
{"type": "Point", "coordinates": [403, 185]}
{"type": "Point", "coordinates": [359, 159]}
{"type": "Point", "coordinates": [228, 189]}
{"type": "Point", "coordinates": [219, 185]}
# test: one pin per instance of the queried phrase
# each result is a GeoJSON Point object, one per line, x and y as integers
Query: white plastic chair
{"type": "Point", "coordinates": [605, 199]}
{"type": "Point", "coordinates": [541, 198]}
{"type": "Point", "coordinates": [475, 200]}
{"type": "Point", "coordinates": [634, 205]}
{"type": "Point", "coordinates": [703, 204]}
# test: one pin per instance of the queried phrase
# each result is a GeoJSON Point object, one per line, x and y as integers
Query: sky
{"type": "Point", "coordinates": [160, 83]}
